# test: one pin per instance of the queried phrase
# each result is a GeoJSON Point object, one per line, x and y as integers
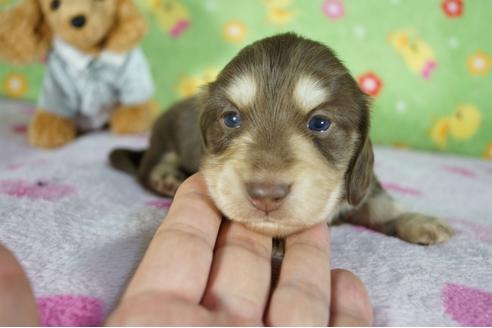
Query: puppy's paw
{"type": "Point", "coordinates": [421, 229]}
{"type": "Point", "coordinates": [48, 130]}
{"type": "Point", "coordinates": [165, 179]}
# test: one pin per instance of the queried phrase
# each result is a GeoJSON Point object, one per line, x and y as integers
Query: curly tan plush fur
{"type": "Point", "coordinates": [26, 35]}
{"type": "Point", "coordinates": [133, 119]}
{"type": "Point", "coordinates": [48, 130]}
{"type": "Point", "coordinates": [127, 30]}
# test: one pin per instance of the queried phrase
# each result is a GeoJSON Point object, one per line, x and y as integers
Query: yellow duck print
{"type": "Point", "coordinates": [279, 12]}
{"type": "Point", "coordinates": [461, 125]}
{"type": "Point", "coordinates": [190, 85]}
{"type": "Point", "coordinates": [416, 53]}
{"type": "Point", "coordinates": [171, 15]}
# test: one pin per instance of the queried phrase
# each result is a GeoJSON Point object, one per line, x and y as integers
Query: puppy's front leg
{"type": "Point", "coordinates": [382, 213]}
{"type": "Point", "coordinates": [160, 173]}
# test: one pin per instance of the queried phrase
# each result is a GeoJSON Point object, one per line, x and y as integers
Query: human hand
{"type": "Point", "coordinates": [199, 272]}
{"type": "Point", "coordinates": [17, 304]}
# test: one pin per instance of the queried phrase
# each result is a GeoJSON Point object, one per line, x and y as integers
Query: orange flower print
{"type": "Point", "coordinates": [234, 31]}
{"type": "Point", "coordinates": [370, 84]}
{"type": "Point", "coordinates": [15, 85]}
{"type": "Point", "coordinates": [479, 63]}
{"type": "Point", "coordinates": [452, 8]}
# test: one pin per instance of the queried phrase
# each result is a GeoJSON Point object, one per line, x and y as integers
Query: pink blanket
{"type": "Point", "coordinates": [80, 228]}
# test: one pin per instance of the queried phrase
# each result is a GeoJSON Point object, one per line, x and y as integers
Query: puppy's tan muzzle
{"type": "Point", "coordinates": [267, 196]}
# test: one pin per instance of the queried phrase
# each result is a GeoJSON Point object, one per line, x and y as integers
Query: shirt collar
{"type": "Point", "coordinates": [80, 60]}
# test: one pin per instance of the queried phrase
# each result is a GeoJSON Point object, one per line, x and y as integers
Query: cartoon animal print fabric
{"type": "Point", "coordinates": [425, 63]}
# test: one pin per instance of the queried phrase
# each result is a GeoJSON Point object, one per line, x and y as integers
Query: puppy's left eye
{"type": "Point", "coordinates": [319, 123]}
{"type": "Point", "coordinates": [231, 119]}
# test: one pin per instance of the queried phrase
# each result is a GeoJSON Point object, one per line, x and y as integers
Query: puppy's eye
{"type": "Point", "coordinates": [231, 119]}
{"type": "Point", "coordinates": [319, 123]}
{"type": "Point", "coordinates": [55, 4]}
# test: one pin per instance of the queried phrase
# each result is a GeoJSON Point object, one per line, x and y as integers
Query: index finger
{"type": "Point", "coordinates": [179, 256]}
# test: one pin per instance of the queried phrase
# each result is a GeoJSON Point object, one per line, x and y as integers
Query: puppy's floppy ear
{"type": "Point", "coordinates": [360, 173]}
{"type": "Point", "coordinates": [129, 28]}
{"type": "Point", "coordinates": [24, 33]}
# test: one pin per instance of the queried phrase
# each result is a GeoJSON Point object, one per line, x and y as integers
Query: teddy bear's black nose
{"type": "Point", "coordinates": [78, 21]}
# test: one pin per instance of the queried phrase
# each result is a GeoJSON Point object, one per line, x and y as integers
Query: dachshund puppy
{"type": "Point", "coordinates": [285, 135]}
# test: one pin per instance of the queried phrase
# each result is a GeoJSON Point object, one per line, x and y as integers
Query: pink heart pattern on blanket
{"type": "Point", "coordinates": [468, 306]}
{"type": "Point", "coordinates": [36, 190]}
{"type": "Point", "coordinates": [70, 310]}
{"type": "Point", "coordinates": [463, 171]}
{"type": "Point", "coordinates": [19, 128]}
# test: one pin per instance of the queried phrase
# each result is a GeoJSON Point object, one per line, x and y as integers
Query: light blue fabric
{"type": "Point", "coordinates": [87, 88]}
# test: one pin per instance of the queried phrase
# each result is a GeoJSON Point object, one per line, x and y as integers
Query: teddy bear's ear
{"type": "Point", "coordinates": [130, 27]}
{"type": "Point", "coordinates": [24, 33]}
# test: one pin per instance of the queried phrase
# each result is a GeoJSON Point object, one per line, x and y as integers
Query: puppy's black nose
{"type": "Point", "coordinates": [78, 21]}
{"type": "Point", "coordinates": [267, 197]}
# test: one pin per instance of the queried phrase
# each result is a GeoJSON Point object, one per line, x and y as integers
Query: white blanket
{"type": "Point", "coordinates": [79, 228]}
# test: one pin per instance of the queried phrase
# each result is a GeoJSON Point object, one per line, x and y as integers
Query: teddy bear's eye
{"type": "Point", "coordinates": [55, 4]}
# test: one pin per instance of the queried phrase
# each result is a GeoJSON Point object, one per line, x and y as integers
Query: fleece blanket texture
{"type": "Point", "coordinates": [80, 228]}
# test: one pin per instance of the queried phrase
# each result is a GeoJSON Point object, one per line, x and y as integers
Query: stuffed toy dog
{"type": "Point", "coordinates": [95, 72]}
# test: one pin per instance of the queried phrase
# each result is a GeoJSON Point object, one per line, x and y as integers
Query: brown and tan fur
{"type": "Point", "coordinates": [276, 85]}
{"type": "Point", "coordinates": [26, 34]}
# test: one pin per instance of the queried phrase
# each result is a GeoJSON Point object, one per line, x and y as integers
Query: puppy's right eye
{"type": "Point", "coordinates": [319, 123]}
{"type": "Point", "coordinates": [55, 4]}
{"type": "Point", "coordinates": [231, 119]}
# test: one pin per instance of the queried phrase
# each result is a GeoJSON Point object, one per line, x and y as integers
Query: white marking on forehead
{"type": "Point", "coordinates": [242, 90]}
{"type": "Point", "coordinates": [309, 93]}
